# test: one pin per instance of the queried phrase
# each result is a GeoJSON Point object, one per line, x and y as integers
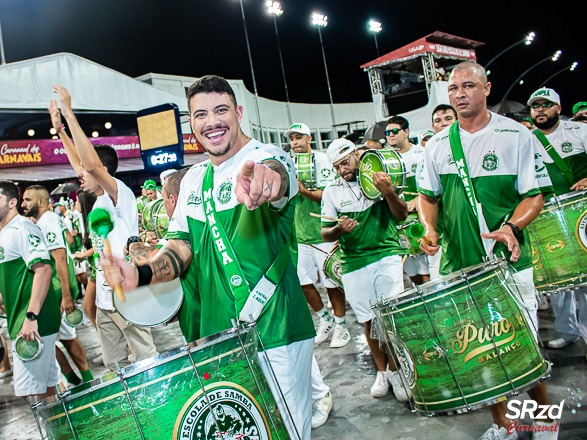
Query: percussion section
{"type": "Point", "coordinates": [463, 341]}
{"type": "Point", "coordinates": [306, 170]}
{"type": "Point", "coordinates": [211, 389]}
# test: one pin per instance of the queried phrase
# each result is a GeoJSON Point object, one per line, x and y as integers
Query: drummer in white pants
{"type": "Point", "coordinates": [570, 309]}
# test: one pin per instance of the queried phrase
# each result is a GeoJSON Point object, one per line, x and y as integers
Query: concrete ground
{"type": "Point", "coordinates": [349, 371]}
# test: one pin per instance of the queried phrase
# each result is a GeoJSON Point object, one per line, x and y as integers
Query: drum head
{"type": "Point", "coordinates": [387, 161]}
{"type": "Point", "coordinates": [160, 219]}
{"type": "Point", "coordinates": [75, 318]}
{"type": "Point", "coordinates": [150, 305]}
{"type": "Point", "coordinates": [148, 213]}
{"type": "Point", "coordinates": [28, 350]}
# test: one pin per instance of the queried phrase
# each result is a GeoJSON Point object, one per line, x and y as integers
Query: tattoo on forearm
{"type": "Point", "coordinates": [140, 253]}
{"type": "Point", "coordinates": [168, 265]}
{"type": "Point", "coordinates": [279, 169]}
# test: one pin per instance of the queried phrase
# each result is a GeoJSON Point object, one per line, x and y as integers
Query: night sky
{"type": "Point", "coordinates": [197, 37]}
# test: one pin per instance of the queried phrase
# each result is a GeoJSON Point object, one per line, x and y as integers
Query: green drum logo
{"type": "Point", "coordinates": [225, 411]}
{"type": "Point", "coordinates": [581, 231]}
{"type": "Point", "coordinates": [405, 359]}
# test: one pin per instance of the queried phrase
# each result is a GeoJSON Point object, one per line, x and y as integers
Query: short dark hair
{"type": "Point", "coordinates": [9, 189]}
{"type": "Point", "coordinates": [108, 157]}
{"type": "Point", "coordinates": [399, 120]}
{"type": "Point", "coordinates": [444, 107]}
{"type": "Point", "coordinates": [210, 84]}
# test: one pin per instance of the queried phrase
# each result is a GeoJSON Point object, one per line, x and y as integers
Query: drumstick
{"type": "Point", "coordinates": [426, 240]}
{"type": "Point", "coordinates": [326, 217]}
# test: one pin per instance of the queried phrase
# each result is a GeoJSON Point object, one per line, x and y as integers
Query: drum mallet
{"type": "Point", "coordinates": [100, 223]}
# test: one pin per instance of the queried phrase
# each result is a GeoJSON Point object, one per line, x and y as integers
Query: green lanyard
{"type": "Point", "coordinates": [459, 156]}
{"type": "Point", "coordinates": [558, 161]}
{"type": "Point", "coordinates": [232, 270]}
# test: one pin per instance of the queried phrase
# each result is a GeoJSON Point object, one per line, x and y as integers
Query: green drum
{"type": "Point", "coordinates": [28, 350]}
{"type": "Point", "coordinates": [333, 266]}
{"type": "Point", "coordinates": [160, 219]}
{"type": "Point", "coordinates": [75, 318]}
{"type": "Point", "coordinates": [463, 340]}
{"type": "Point", "coordinates": [306, 170]}
{"type": "Point", "coordinates": [559, 243]}
{"type": "Point", "coordinates": [149, 212]}
{"type": "Point", "coordinates": [141, 202]}
{"type": "Point", "coordinates": [386, 160]}
{"type": "Point", "coordinates": [212, 389]}
{"type": "Point", "coordinates": [410, 233]}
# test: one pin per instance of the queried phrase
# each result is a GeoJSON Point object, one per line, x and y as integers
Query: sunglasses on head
{"type": "Point", "coordinates": [546, 104]}
{"type": "Point", "coordinates": [393, 131]}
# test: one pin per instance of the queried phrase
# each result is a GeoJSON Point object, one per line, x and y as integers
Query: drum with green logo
{"type": "Point", "coordinates": [141, 202]}
{"type": "Point", "coordinates": [148, 214]}
{"type": "Point", "coordinates": [463, 341]}
{"type": "Point", "coordinates": [75, 318]}
{"type": "Point", "coordinates": [28, 351]}
{"type": "Point", "coordinates": [306, 170]}
{"type": "Point", "coordinates": [410, 233]}
{"type": "Point", "coordinates": [559, 243]}
{"type": "Point", "coordinates": [333, 266]}
{"type": "Point", "coordinates": [211, 389]}
{"type": "Point", "coordinates": [386, 160]}
{"type": "Point", "coordinates": [160, 219]}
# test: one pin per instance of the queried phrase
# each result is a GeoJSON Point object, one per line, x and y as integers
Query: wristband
{"type": "Point", "coordinates": [515, 229]}
{"type": "Point", "coordinates": [145, 274]}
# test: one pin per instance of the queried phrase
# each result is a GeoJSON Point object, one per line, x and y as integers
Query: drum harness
{"type": "Point", "coordinates": [265, 288]}
{"type": "Point", "coordinates": [558, 161]}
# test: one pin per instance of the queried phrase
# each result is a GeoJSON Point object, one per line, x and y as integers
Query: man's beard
{"type": "Point", "coordinates": [549, 123]}
{"type": "Point", "coordinates": [32, 212]}
{"type": "Point", "coordinates": [220, 152]}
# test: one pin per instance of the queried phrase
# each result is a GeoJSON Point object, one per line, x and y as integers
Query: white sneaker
{"type": "Point", "coordinates": [321, 410]}
{"type": "Point", "coordinates": [381, 386]}
{"type": "Point", "coordinates": [324, 330]}
{"type": "Point", "coordinates": [561, 342]}
{"type": "Point", "coordinates": [6, 373]}
{"type": "Point", "coordinates": [546, 435]}
{"type": "Point", "coordinates": [340, 337]}
{"type": "Point", "coordinates": [402, 393]}
{"type": "Point", "coordinates": [494, 433]}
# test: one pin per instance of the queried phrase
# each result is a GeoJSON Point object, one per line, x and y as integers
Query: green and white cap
{"type": "Point", "coordinates": [298, 127]}
{"type": "Point", "coordinates": [338, 149]}
{"type": "Point", "coordinates": [545, 93]}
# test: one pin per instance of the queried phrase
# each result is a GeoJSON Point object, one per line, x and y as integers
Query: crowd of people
{"type": "Point", "coordinates": [250, 239]}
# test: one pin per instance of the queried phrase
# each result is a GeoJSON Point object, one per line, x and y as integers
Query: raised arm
{"type": "Point", "coordinates": [85, 150]}
{"type": "Point", "coordinates": [57, 123]}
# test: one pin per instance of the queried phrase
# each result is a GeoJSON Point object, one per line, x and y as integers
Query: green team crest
{"type": "Point", "coordinates": [450, 159]}
{"type": "Point", "coordinates": [325, 172]}
{"type": "Point", "coordinates": [1, 253]}
{"type": "Point", "coordinates": [34, 240]}
{"type": "Point", "coordinates": [567, 147]}
{"type": "Point", "coordinates": [225, 192]}
{"type": "Point", "coordinates": [490, 162]}
{"type": "Point", "coordinates": [233, 413]}
{"type": "Point", "coordinates": [414, 168]}
{"type": "Point", "coordinates": [51, 237]}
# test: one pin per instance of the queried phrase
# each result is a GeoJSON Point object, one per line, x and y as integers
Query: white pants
{"type": "Point", "coordinates": [34, 377]}
{"type": "Point", "coordinates": [66, 332]}
{"type": "Point", "coordinates": [416, 265]}
{"type": "Point", "coordinates": [319, 388]}
{"type": "Point", "coordinates": [569, 321]}
{"type": "Point", "coordinates": [366, 286]}
{"type": "Point", "coordinates": [525, 287]}
{"type": "Point", "coordinates": [292, 365]}
{"type": "Point", "coordinates": [311, 263]}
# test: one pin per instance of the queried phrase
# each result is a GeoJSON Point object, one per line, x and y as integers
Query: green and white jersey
{"type": "Point", "coordinates": [504, 168]}
{"type": "Point", "coordinates": [256, 237]}
{"type": "Point", "coordinates": [53, 231]}
{"type": "Point", "coordinates": [77, 222]}
{"type": "Point", "coordinates": [308, 227]}
{"type": "Point", "coordinates": [570, 142]}
{"type": "Point", "coordinates": [125, 218]}
{"type": "Point", "coordinates": [21, 247]}
{"type": "Point", "coordinates": [374, 238]}
{"type": "Point", "coordinates": [412, 160]}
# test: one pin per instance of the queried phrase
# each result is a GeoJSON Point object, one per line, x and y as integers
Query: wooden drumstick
{"type": "Point", "coordinates": [326, 217]}
{"type": "Point", "coordinates": [426, 240]}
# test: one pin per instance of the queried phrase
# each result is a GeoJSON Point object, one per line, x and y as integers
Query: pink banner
{"type": "Point", "coordinates": [47, 152]}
